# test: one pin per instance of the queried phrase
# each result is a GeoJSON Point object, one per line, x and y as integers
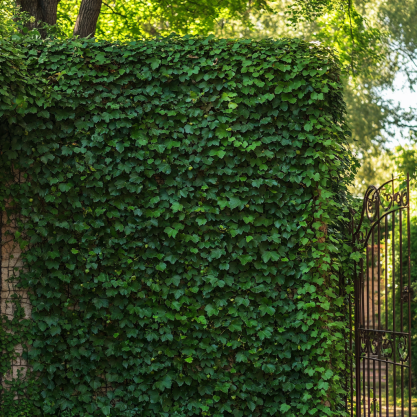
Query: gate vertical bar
{"type": "Point", "coordinates": [386, 314]}
{"type": "Point", "coordinates": [351, 327]}
{"type": "Point", "coordinates": [393, 305]}
{"type": "Point", "coordinates": [409, 293]}
{"type": "Point", "coordinates": [367, 327]}
{"type": "Point", "coordinates": [401, 303]}
{"type": "Point", "coordinates": [342, 294]}
{"type": "Point", "coordinates": [357, 342]}
{"type": "Point", "coordinates": [351, 351]}
{"type": "Point", "coordinates": [373, 320]}
{"type": "Point", "coordinates": [379, 313]}
{"type": "Point", "coordinates": [1, 294]}
{"type": "Point", "coordinates": [363, 322]}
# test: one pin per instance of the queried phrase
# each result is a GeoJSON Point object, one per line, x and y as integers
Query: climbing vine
{"type": "Point", "coordinates": [182, 208]}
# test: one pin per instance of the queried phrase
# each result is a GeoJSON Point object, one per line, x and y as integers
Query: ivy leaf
{"type": "Point", "coordinates": [64, 187]}
{"type": "Point", "coordinates": [264, 334]}
{"type": "Point", "coordinates": [211, 311]}
{"type": "Point", "coordinates": [131, 333]}
{"type": "Point", "coordinates": [170, 231]}
{"type": "Point", "coordinates": [241, 357]}
{"type": "Point", "coordinates": [201, 221]}
{"type": "Point", "coordinates": [176, 207]}
{"type": "Point", "coordinates": [55, 330]}
{"type": "Point", "coordinates": [267, 310]}
{"type": "Point", "coordinates": [161, 266]}
{"type": "Point", "coordinates": [120, 147]}
{"type": "Point", "coordinates": [248, 219]}
{"type": "Point", "coordinates": [269, 255]}
{"type": "Point", "coordinates": [106, 410]}
{"type": "Point", "coordinates": [235, 326]}
{"type": "Point", "coordinates": [166, 382]}
{"type": "Point", "coordinates": [101, 302]}
{"type": "Point", "coordinates": [244, 259]}
{"type": "Point", "coordinates": [235, 202]}
{"type": "Point", "coordinates": [95, 384]}
{"type": "Point", "coordinates": [42, 326]}
{"type": "Point", "coordinates": [176, 305]}
{"type": "Point", "coordinates": [217, 253]}
{"type": "Point", "coordinates": [325, 305]}
{"type": "Point", "coordinates": [356, 256]}
{"type": "Point", "coordinates": [155, 62]}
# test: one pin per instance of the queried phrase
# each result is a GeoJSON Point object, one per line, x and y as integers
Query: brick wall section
{"type": "Point", "coordinates": [11, 264]}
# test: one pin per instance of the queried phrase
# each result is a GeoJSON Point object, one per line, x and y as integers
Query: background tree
{"type": "Point", "coordinates": [41, 10]}
{"type": "Point", "coordinates": [135, 17]}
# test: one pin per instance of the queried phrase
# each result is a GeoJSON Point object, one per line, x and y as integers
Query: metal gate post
{"type": "Point", "coordinates": [357, 343]}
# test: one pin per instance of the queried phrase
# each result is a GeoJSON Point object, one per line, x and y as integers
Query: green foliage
{"type": "Point", "coordinates": [300, 10]}
{"type": "Point", "coordinates": [7, 12]}
{"type": "Point", "coordinates": [131, 19]}
{"type": "Point", "coordinates": [374, 170]}
{"type": "Point", "coordinates": [183, 225]}
{"type": "Point", "coordinates": [13, 80]}
{"type": "Point", "coordinates": [18, 92]}
{"type": "Point", "coordinates": [405, 159]}
{"type": "Point", "coordinates": [12, 99]}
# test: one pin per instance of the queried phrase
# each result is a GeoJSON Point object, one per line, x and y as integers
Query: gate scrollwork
{"type": "Point", "coordinates": [381, 345]}
{"type": "Point", "coordinates": [387, 347]}
{"type": "Point", "coordinates": [377, 203]}
{"type": "Point", "coordinates": [402, 348]}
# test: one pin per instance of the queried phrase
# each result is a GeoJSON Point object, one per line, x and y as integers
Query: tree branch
{"type": "Point", "coordinates": [114, 11]}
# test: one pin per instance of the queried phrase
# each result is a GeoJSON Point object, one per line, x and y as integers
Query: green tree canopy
{"type": "Point", "coordinates": [131, 18]}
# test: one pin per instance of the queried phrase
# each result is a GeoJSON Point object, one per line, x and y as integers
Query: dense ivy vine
{"type": "Point", "coordinates": [182, 209]}
{"type": "Point", "coordinates": [16, 91]}
{"type": "Point", "coordinates": [12, 78]}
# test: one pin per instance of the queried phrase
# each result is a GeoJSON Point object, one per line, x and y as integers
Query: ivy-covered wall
{"type": "Point", "coordinates": [17, 92]}
{"type": "Point", "coordinates": [181, 214]}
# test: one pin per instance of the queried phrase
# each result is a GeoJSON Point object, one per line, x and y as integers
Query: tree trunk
{"type": "Point", "coordinates": [42, 11]}
{"type": "Point", "coordinates": [49, 10]}
{"type": "Point", "coordinates": [33, 8]}
{"type": "Point", "coordinates": [87, 18]}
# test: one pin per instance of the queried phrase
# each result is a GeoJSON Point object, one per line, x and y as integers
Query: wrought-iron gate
{"type": "Point", "coordinates": [380, 311]}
